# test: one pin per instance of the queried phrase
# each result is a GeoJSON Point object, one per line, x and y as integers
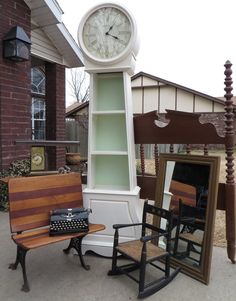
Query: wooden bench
{"type": "Point", "coordinates": [30, 201]}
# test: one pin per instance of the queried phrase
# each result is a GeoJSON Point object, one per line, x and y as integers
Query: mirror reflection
{"type": "Point", "coordinates": [186, 191]}
{"type": "Point", "coordinates": [188, 185]}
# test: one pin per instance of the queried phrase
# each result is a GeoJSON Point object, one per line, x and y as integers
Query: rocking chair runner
{"type": "Point", "coordinates": [144, 251]}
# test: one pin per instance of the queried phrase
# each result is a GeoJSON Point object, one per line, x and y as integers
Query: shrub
{"type": "Point", "coordinates": [18, 168]}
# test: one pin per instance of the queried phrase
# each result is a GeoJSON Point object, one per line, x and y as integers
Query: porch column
{"type": "Point", "coordinates": [55, 113]}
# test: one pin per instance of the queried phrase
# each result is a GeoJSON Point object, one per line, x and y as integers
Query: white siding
{"type": "Point", "coordinates": [42, 47]}
{"type": "Point", "coordinates": [167, 98]}
{"type": "Point", "coordinates": [201, 105]}
{"type": "Point", "coordinates": [150, 99]}
{"type": "Point", "coordinates": [136, 82]}
{"type": "Point", "coordinates": [184, 101]}
{"type": "Point", "coordinates": [218, 107]}
{"type": "Point", "coordinates": [149, 82]}
{"type": "Point", "coordinates": [137, 101]}
{"type": "Point", "coordinates": [161, 96]}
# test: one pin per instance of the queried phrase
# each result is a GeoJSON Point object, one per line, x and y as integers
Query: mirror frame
{"type": "Point", "coordinates": [203, 272]}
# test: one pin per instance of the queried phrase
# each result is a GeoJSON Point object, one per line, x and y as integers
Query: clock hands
{"type": "Point", "coordinates": [110, 28]}
{"type": "Point", "coordinates": [114, 21]}
{"type": "Point", "coordinates": [108, 32]}
{"type": "Point", "coordinates": [116, 38]}
{"type": "Point", "coordinates": [111, 35]}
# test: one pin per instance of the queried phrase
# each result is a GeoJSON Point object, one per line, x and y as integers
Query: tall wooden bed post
{"type": "Point", "coordinates": [230, 200]}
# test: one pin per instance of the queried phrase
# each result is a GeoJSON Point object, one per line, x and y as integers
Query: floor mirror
{"type": "Point", "coordinates": [187, 184]}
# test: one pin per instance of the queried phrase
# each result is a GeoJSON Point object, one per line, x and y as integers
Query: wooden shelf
{"type": "Point", "coordinates": [109, 112]}
{"type": "Point", "coordinates": [110, 153]}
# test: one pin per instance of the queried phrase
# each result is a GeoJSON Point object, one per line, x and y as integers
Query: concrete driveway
{"type": "Point", "coordinates": [54, 276]}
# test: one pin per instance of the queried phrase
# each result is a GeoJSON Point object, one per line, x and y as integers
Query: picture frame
{"type": "Point", "coordinates": [37, 158]}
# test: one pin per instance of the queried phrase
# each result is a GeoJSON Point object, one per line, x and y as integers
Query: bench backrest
{"type": "Point", "coordinates": [32, 198]}
{"type": "Point", "coordinates": [187, 193]}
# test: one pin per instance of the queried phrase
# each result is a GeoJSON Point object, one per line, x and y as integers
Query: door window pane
{"type": "Point", "coordinates": [38, 118]}
{"type": "Point", "coordinates": [38, 80]}
{"type": "Point", "coordinates": [38, 108]}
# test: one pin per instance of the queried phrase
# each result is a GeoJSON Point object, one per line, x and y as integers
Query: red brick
{"type": "Point", "coordinates": [15, 95]}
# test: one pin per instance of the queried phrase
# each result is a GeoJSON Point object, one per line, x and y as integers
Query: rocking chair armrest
{"type": "Point", "coordinates": [150, 237]}
{"type": "Point", "coordinates": [118, 226]}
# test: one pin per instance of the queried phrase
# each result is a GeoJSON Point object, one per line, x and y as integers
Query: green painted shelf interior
{"type": "Point", "coordinates": [110, 92]}
{"type": "Point", "coordinates": [111, 171]}
{"type": "Point", "coordinates": [110, 132]}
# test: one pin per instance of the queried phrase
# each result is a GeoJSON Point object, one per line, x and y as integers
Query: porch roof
{"type": "Point", "coordinates": [47, 15]}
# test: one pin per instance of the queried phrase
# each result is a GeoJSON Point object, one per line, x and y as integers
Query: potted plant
{"type": "Point", "coordinates": [72, 158]}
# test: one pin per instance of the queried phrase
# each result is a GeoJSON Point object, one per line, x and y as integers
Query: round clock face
{"type": "Point", "coordinates": [106, 33]}
{"type": "Point", "coordinates": [37, 159]}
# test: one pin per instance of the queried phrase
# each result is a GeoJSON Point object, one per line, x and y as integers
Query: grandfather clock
{"type": "Point", "coordinates": [108, 39]}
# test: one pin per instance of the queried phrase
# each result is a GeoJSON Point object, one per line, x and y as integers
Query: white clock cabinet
{"type": "Point", "coordinates": [112, 192]}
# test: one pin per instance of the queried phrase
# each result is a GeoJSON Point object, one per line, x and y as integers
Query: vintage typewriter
{"type": "Point", "coordinates": [63, 221]}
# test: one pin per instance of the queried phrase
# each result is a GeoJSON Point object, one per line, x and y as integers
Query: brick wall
{"type": "Point", "coordinates": [15, 98]}
{"type": "Point", "coordinates": [15, 95]}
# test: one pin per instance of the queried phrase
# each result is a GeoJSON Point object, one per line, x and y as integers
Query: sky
{"type": "Point", "coordinates": [183, 41]}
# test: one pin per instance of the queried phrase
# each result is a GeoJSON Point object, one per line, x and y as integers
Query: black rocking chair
{"type": "Point", "coordinates": [145, 251]}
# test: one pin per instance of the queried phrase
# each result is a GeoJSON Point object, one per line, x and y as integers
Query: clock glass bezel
{"type": "Point", "coordinates": [120, 56]}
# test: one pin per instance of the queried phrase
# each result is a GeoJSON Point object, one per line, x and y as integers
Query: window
{"type": "Point", "coordinates": [38, 80]}
{"type": "Point", "coordinates": [38, 118]}
{"type": "Point", "coordinates": [38, 108]}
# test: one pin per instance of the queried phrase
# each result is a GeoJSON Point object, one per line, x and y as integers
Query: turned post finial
{"type": "Point", "coordinates": [228, 80]}
{"type": "Point", "coordinates": [229, 124]}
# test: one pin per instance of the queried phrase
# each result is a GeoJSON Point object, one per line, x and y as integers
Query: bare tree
{"type": "Point", "coordinates": [79, 84]}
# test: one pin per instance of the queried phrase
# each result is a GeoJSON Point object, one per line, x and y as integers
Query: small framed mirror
{"type": "Point", "coordinates": [188, 184]}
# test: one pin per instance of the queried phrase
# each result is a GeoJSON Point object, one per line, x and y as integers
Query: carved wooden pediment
{"type": "Point", "coordinates": [180, 128]}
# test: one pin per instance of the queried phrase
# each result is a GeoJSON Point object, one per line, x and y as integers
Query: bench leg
{"type": "Point", "coordinates": [13, 266]}
{"type": "Point", "coordinates": [67, 250]}
{"type": "Point", "coordinates": [76, 243]}
{"type": "Point", "coordinates": [20, 258]}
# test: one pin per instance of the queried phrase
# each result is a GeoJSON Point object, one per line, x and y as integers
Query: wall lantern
{"type": "Point", "coordinates": [16, 45]}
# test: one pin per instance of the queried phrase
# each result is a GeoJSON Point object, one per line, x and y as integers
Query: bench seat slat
{"type": "Point", "coordinates": [40, 237]}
